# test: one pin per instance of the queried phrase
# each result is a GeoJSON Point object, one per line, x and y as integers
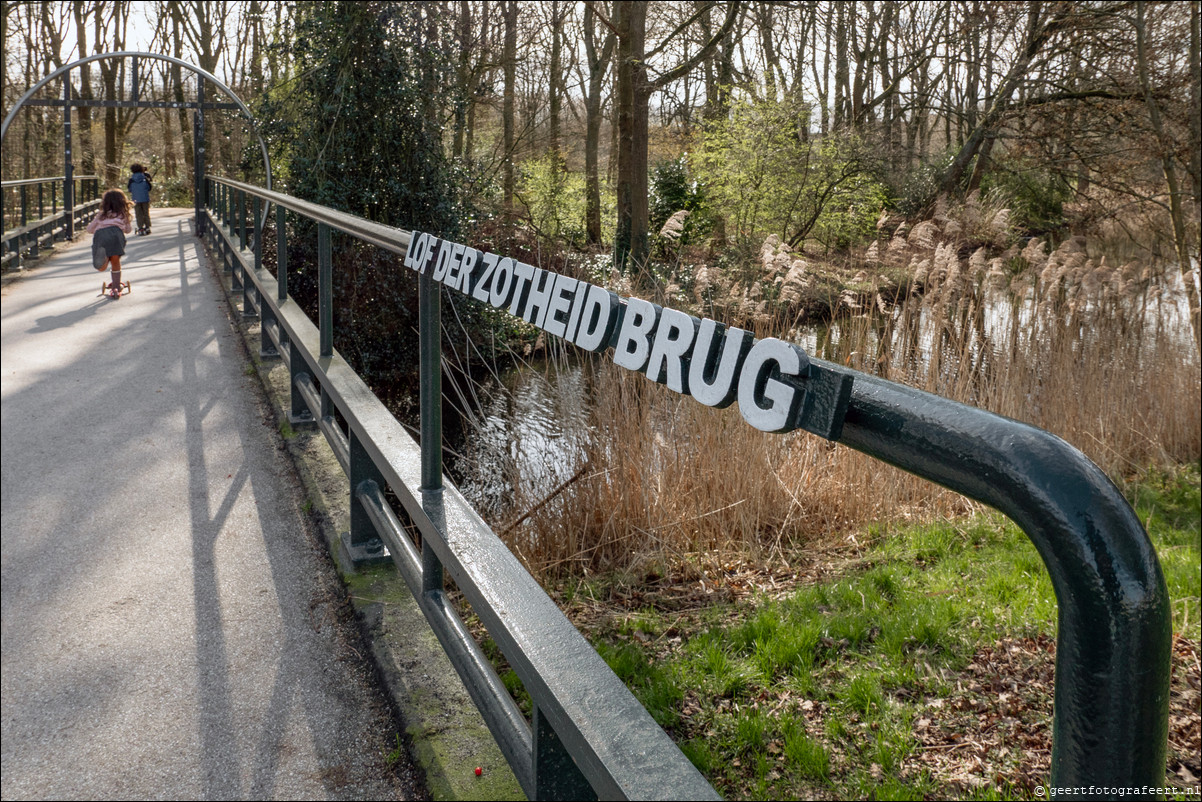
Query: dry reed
{"type": "Point", "coordinates": [1097, 354]}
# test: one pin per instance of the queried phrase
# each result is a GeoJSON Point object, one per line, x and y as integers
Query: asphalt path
{"type": "Point", "coordinates": [171, 628]}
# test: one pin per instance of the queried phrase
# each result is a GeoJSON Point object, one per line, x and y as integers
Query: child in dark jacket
{"type": "Point", "coordinates": [108, 229]}
{"type": "Point", "coordinates": [139, 189]}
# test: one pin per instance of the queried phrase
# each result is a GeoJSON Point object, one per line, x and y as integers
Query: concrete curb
{"type": "Point", "coordinates": [444, 732]}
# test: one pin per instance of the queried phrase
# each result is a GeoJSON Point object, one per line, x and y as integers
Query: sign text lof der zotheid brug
{"type": "Point", "coordinates": [776, 385]}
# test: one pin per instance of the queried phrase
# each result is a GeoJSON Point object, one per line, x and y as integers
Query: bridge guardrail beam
{"type": "Point", "coordinates": [1112, 664]}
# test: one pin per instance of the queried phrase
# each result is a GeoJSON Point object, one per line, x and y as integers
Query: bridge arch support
{"type": "Point", "coordinates": [198, 139]}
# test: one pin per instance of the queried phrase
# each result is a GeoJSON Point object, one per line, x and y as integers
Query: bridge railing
{"type": "Point", "coordinates": [588, 734]}
{"type": "Point", "coordinates": [588, 737]}
{"type": "Point", "coordinates": [41, 211]}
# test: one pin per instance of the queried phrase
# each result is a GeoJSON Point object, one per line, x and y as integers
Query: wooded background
{"type": "Point", "coordinates": [595, 122]}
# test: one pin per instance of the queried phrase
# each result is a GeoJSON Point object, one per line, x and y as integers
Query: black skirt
{"type": "Point", "coordinates": [106, 242]}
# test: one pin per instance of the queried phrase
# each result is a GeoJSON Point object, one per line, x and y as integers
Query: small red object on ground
{"type": "Point", "coordinates": [479, 771]}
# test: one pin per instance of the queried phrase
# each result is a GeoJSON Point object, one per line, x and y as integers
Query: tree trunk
{"type": "Point", "coordinates": [485, 46]}
{"type": "Point", "coordinates": [273, 60]}
{"type": "Point", "coordinates": [509, 59]}
{"type": "Point", "coordinates": [822, 82]}
{"type": "Point", "coordinates": [631, 245]}
{"type": "Point", "coordinates": [598, 64]}
{"type": "Point", "coordinates": [1195, 115]}
{"type": "Point", "coordinates": [555, 79]}
{"type": "Point", "coordinates": [632, 241]}
{"type": "Point", "coordinates": [972, 59]}
{"type": "Point", "coordinates": [842, 90]}
{"type": "Point", "coordinates": [861, 54]}
{"type": "Point", "coordinates": [718, 71]}
{"type": "Point", "coordinates": [592, 169]}
{"type": "Point", "coordinates": [772, 68]}
{"type": "Point", "coordinates": [177, 80]}
{"type": "Point", "coordinates": [1166, 147]}
{"type": "Point", "coordinates": [978, 171]}
{"type": "Point", "coordinates": [431, 110]}
{"type": "Point", "coordinates": [256, 52]}
{"type": "Point", "coordinates": [888, 70]}
{"type": "Point", "coordinates": [83, 130]}
{"type": "Point", "coordinates": [463, 91]}
{"type": "Point", "coordinates": [170, 151]}
{"type": "Point", "coordinates": [108, 76]}
{"type": "Point", "coordinates": [1038, 32]}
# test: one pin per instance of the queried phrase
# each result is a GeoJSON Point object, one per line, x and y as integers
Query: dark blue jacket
{"type": "Point", "coordinates": [139, 187]}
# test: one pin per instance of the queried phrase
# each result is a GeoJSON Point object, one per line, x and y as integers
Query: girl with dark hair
{"type": "Point", "coordinates": [108, 229]}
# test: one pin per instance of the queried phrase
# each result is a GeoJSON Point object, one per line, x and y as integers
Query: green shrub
{"type": "Point", "coordinates": [175, 191]}
{"type": "Point", "coordinates": [673, 189]}
{"type": "Point", "coordinates": [554, 198]}
{"type": "Point", "coordinates": [1036, 198]}
{"type": "Point", "coordinates": [767, 174]}
{"type": "Point", "coordinates": [920, 186]}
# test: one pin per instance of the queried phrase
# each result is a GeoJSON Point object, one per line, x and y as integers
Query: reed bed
{"type": "Point", "coordinates": [1100, 355]}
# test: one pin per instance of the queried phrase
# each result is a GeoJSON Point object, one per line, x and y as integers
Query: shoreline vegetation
{"type": "Point", "coordinates": [1093, 349]}
{"type": "Point", "coordinates": [905, 661]}
{"type": "Point", "coordinates": [912, 654]}
{"type": "Point", "coordinates": [807, 622]}
{"type": "Point", "coordinates": [995, 202]}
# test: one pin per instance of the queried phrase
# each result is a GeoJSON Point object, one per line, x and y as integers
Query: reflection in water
{"type": "Point", "coordinates": [532, 426]}
{"type": "Point", "coordinates": [529, 432]}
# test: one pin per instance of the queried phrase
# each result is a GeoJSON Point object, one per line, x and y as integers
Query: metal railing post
{"type": "Point", "coordinates": [248, 287]}
{"type": "Point", "coordinates": [281, 254]}
{"type": "Point", "coordinates": [281, 282]}
{"type": "Point", "coordinates": [362, 543]}
{"type": "Point", "coordinates": [430, 370]}
{"type": "Point", "coordinates": [299, 413]}
{"type": "Point", "coordinates": [267, 346]}
{"type": "Point", "coordinates": [25, 222]}
{"type": "Point", "coordinates": [1114, 639]}
{"type": "Point", "coordinates": [229, 215]}
{"type": "Point", "coordinates": [556, 775]}
{"type": "Point", "coordinates": [325, 289]}
{"type": "Point", "coordinates": [198, 152]}
{"type": "Point", "coordinates": [240, 229]}
{"type": "Point", "coordinates": [68, 162]}
{"type": "Point", "coordinates": [241, 220]}
{"type": "Point", "coordinates": [325, 303]}
{"type": "Point", "coordinates": [24, 217]}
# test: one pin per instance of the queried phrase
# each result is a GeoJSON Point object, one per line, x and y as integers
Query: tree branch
{"type": "Point", "coordinates": [732, 15]}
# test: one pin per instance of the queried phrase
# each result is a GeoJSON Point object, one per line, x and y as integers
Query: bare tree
{"type": "Point", "coordinates": [634, 90]}
{"type": "Point", "coordinates": [1042, 25]}
{"type": "Point", "coordinates": [509, 11]}
{"type": "Point", "coordinates": [1167, 154]}
{"type": "Point", "coordinates": [598, 59]}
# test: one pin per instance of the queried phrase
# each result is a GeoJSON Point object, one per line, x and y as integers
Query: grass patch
{"type": "Point", "coordinates": [393, 757]}
{"type": "Point", "coordinates": [924, 670]}
{"type": "Point", "coordinates": [1167, 503]}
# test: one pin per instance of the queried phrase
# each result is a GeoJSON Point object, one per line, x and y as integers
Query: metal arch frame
{"type": "Point", "coordinates": [208, 76]}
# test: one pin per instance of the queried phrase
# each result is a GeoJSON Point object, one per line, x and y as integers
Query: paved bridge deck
{"type": "Point", "coordinates": [169, 625]}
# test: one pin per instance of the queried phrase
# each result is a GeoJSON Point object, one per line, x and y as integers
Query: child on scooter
{"type": "Point", "coordinates": [108, 229]}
